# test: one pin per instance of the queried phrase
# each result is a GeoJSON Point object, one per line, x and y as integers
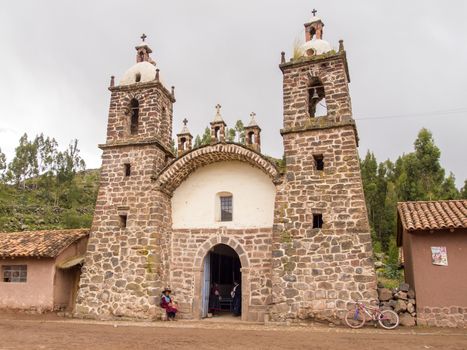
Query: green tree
{"type": "Point", "coordinates": [430, 174]}
{"type": "Point", "coordinates": [463, 191]}
{"type": "Point", "coordinates": [240, 131]}
{"type": "Point", "coordinates": [448, 188]}
{"type": "Point", "coordinates": [414, 176]}
{"type": "Point", "coordinates": [173, 147]}
{"type": "Point", "coordinates": [46, 153]}
{"type": "Point", "coordinates": [197, 141]}
{"type": "Point", "coordinates": [419, 174]}
{"type": "Point", "coordinates": [206, 137]}
{"type": "Point", "coordinates": [231, 133]}
{"type": "Point", "coordinates": [389, 217]}
{"type": "Point", "coordinates": [68, 163]}
{"type": "Point", "coordinates": [369, 167]}
{"type": "Point", "coordinates": [2, 165]}
{"type": "Point", "coordinates": [24, 164]}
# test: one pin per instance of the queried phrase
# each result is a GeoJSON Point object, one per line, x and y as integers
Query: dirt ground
{"type": "Point", "coordinates": [19, 331]}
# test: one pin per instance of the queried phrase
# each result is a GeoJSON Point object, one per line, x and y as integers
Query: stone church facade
{"type": "Point", "coordinates": [299, 232]}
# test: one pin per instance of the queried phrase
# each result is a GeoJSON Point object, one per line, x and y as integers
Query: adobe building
{"type": "Point", "coordinates": [433, 236]}
{"type": "Point", "coordinates": [296, 236]}
{"type": "Point", "coordinates": [41, 269]}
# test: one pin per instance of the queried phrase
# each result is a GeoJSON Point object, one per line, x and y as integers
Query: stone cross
{"type": "Point", "coordinates": [185, 121]}
{"type": "Point", "coordinates": [313, 12]}
{"type": "Point", "coordinates": [252, 115]}
{"type": "Point", "coordinates": [143, 36]}
{"type": "Point", "coordinates": [218, 108]}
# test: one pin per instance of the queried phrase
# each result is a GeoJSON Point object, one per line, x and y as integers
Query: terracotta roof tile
{"type": "Point", "coordinates": [433, 215]}
{"type": "Point", "coordinates": [47, 243]}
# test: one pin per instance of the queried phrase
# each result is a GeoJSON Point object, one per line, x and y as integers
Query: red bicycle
{"type": "Point", "coordinates": [357, 316]}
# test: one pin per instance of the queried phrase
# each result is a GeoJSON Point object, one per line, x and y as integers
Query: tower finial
{"type": "Point", "coordinates": [143, 37]}
{"type": "Point", "coordinates": [185, 121]}
{"type": "Point", "coordinates": [313, 12]}
{"type": "Point", "coordinates": [217, 116]}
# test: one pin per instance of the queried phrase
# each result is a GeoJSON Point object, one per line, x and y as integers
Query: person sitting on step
{"type": "Point", "coordinates": [168, 304]}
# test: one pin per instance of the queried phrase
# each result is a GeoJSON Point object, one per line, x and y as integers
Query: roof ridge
{"type": "Point", "coordinates": [47, 231]}
{"type": "Point", "coordinates": [437, 201]}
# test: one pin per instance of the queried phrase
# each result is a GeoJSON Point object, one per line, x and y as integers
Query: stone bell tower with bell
{"type": "Point", "coordinates": [322, 250]}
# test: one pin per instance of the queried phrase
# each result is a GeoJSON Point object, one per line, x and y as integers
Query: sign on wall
{"type": "Point", "coordinates": [439, 256]}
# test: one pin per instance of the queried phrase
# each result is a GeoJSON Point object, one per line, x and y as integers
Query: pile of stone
{"type": "Point", "coordinates": [401, 300]}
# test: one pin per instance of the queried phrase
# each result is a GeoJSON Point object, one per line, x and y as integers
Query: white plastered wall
{"type": "Point", "coordinates": [194, 202]}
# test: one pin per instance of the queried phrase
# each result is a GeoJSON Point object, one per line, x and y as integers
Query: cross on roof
{"type": "Point", "coordinates": [252, 114]}
{"type": "Point", "coordinates": [143, 36]}
{"type": "Point", "coordinates": [314, 12]}
{"type": "Point", "coordinates": [185, 121]}
{"type": "Point", "coordinates": [218, 108]}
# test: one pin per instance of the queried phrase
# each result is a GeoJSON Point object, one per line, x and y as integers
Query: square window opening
{"type": "Point", "coordinates": [14, 273]}
{"type": "Point", "coordinates": [317, 220]}
{"type": "Point", "coordinates": [226, 208]}
{"type": "Point", "coordinates": [127, 169]}
{"type": "Point", "coordinates": [123, 220]}
{"type": "Point", "coordinates": [319, 162]}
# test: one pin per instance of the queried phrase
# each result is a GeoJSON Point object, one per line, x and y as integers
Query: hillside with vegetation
{"type": "Point", "coordinates": [43, 187]}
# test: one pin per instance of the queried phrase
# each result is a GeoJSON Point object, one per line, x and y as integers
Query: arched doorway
{"type": "Point", "coordinates": [222, 270]}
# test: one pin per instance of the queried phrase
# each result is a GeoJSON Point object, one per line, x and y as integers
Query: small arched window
{"type": "Point", "coordinates": [134, 106]}
{"type": "Point", "coordinates": [316, 99]}
{"type": "Point", "coordinates": [251, 138]}
{"type": "Point", "coordinates": [137, 77]}
{"type": "Point", "coordinates": [216, 133]}
{"type": "Point", "coordinates": [224, 206]}
{"type": "Point", "coordinates": [183, 143]}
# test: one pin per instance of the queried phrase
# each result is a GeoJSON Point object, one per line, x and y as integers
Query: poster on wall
{"type": "Point", "coordinates": [439, 256]}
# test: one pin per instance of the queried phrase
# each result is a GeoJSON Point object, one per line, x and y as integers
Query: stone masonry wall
{"type": "Point", "coordinates": [453, 316]}
{"type": "Point", "coordinates": [190, 246]}
{"type": "Point", "coordinates": [155, 114]}
{"type": "Point", "coordinates": [298, 78]}
{"type": "Point", "coordinates": [316, 272]}
{"type": "Point", "coordinates": [125, 267]}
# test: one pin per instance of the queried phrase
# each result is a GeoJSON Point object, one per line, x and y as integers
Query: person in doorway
{"type": "Point", "coordinates": [168, 304]}
{"type": "Point", "coordinates": [236, 295]}
{"type": "Point", "coordinates": [214, 299]}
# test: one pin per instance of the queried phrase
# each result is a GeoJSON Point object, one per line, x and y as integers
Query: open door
{"type": "Point", "coordinates": [206, 284]}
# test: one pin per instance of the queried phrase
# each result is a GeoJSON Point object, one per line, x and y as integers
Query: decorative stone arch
{"type": "Point", "coordinates": [231, 242]}
{"type": "Point", "coordinates": [198, 269]}
{"type": "Point", "coordinates": [178, 170]}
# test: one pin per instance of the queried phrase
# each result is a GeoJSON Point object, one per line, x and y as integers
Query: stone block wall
{"type": "Point", "coordinates": [155, 114]}
{"type": "Point", "coordinates": [298, 77]}
{"type": "Point", "coordinates": [318, 271]}
{"type": "Point", "coordinates": [453, 316]}
{"type": "Point", "coordinates": [188, 250]}
{"type": "Point", "coordinates": [124, 268]}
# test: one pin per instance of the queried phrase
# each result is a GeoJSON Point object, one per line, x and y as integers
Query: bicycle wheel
{"type": "Point", "coordinates": [388, 319]}
{"type": "Point", "coordinates": [355, 318]}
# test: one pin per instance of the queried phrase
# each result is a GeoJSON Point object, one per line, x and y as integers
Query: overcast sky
{"type": "Point", "coordinates": [407, 61]}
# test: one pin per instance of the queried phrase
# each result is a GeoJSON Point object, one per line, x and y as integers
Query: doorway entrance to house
{"type": "Point", "coordinates": [221, 270]}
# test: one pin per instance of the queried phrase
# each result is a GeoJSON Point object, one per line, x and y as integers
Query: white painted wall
{"type": "Point", "coordinates": [194, 201]}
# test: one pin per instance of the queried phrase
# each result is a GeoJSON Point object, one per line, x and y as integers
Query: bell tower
{"type": "Point", "coordinates": [127, 249]}
{"type": "Point", "coordinates": [322, 251]}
